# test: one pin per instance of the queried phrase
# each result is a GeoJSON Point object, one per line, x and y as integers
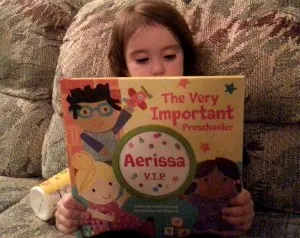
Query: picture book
{"type": "Point", "coordinates": [161, 155]}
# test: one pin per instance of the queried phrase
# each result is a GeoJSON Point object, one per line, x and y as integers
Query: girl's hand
{"type": "Point", "coordinates": [69, 214]}
{"type": "Point", "coordinates": [241, 214]}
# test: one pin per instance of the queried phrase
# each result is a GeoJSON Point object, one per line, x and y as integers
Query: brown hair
{"type": "Point", "coordinates": [146, 12]}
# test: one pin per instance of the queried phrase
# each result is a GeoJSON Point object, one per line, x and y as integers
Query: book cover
{"type": "Point", "coordinates": [158, 155]}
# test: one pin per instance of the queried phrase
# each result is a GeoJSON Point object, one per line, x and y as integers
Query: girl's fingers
{"type": "Point", "coordinates": [241, 199]}
{"type": "Point", "coordinates": [238, 211]}
{"type": "Point", "coordinates": [66, 224]}
{"type": "Point", "coordinates": [242, 221]}
{"type": "Point", "coordinates": [244, 228]}
{"type": "Point", "coordinates": [66, 230]}
{"type": "Point", "coordinates": [69, 202]}
{"type": "Point", "coordinates": [68, 214]}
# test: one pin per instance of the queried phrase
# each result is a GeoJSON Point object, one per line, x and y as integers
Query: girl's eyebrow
{"type": "Point", "coordinates": [174, 47]}
{"type": "Point", "coordinates": [138, 51]}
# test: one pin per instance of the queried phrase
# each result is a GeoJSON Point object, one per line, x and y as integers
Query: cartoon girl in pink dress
{"type": "Point", "coordinates": [97, 185]}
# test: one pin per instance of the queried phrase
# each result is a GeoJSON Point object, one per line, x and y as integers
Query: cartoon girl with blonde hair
{"type": "Point", "coordinates": [97, 185]}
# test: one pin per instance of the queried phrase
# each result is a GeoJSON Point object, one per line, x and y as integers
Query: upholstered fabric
{"type": "Point", "coordinates": [31, 42]}
{"type": "Point", "coordinates": [274, 172]}
{"type": "Point", "coordinates": [269, 224]}
{"type": "Point", "coordinates": [15, 189]}
{"type": "Point", "coordinates": [54, 150]}
{"type": "Point", "coordinates": [17, 219]}
{"type": "Point", "coordinates": [258, 39]}
{"type": "Point", "coordinates": [31, 34]}
{"type": "Point", "coordinates": [22, 130]}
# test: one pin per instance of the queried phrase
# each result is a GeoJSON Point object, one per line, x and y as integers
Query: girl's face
{"type": "Point", "coordinates": [153, 51]}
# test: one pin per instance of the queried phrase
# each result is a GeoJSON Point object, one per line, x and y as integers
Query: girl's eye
{"type": "Point", "coordinates": [94, 190]}
{"type": "Point", "coordinates": [110, 183]}
{"type": "Point", "coordinates": [170, 57]}
{"type": "Point", "coordinates": [142, 60]}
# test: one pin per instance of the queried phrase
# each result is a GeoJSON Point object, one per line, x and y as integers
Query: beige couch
{"type": "Point", "coordinates": [43, 40]}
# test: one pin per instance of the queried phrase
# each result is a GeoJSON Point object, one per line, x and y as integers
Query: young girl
{"type": "Point", "coordinates": [151, 38]}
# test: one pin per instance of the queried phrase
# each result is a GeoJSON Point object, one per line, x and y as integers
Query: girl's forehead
{"type": "Point", "coordinates": [149, 36]}
{"type": "Point", "coordinates": [154, 29]}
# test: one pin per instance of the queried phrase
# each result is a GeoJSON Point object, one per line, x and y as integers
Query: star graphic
{"type": "Point", "coordinates": [204, 147]}
{"type": "Point", "coordinates": [230, 88]}
{"type": "Point", "coordinates": [175, 179]}
{"type": "Point", "coordinates": [131, 145]}
{"type": "Point", "coordinates": [183, 83]}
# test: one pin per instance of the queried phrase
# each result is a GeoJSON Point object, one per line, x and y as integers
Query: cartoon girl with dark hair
{"type": "Point", "coordinates": [216, 182]}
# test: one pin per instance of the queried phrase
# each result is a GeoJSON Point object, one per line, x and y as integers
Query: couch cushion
{"type": "Point", "coordinates": [54, 153]}
{"type": "Point", "coordinates": [31, 33]}
{"type": "Point", "coordinates": [275, 224]}
{"type": "Point", "coordinates": [259, 39]}
{"type": "Point", "coordinates": [22, 129]}
{"type": "Point", "coordinates": [12, 190]}
{"type": "Point", "coordinates": [20, 221]}
{"type": "Point", "coordinates": [274, 172]}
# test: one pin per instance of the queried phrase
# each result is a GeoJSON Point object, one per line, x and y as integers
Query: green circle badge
{"type": "Point", "coordinates": [154, 162]}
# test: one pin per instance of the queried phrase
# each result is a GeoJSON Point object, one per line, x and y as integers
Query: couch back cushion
{"type": "Point", "coordinates": [273, 174]}
{"type": "Point", "coordinates": [258, 39]}
{"type": "Point", "coordinates": [31, 33]}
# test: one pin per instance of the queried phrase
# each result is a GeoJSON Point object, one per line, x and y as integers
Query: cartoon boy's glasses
{"type": "Point", "coordinates": [103, 109]}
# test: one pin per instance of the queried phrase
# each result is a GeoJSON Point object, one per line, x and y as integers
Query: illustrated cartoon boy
{"type": "Point", "coordinates": [100, 117]}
